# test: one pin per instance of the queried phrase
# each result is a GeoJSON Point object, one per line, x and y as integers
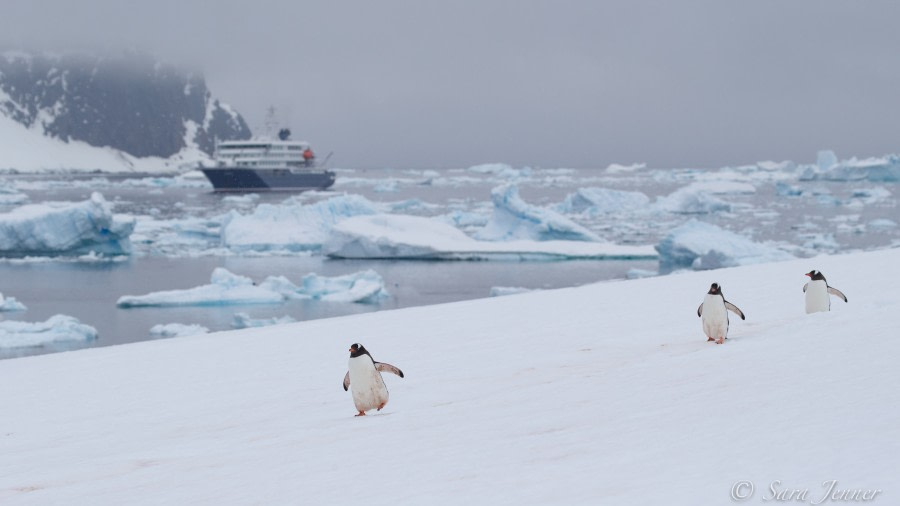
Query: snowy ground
{"type": "Point", "coordinates": [601, 394]}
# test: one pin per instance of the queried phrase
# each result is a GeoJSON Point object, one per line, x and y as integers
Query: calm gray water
{"type": "Point", "coordinates": [827, 219]}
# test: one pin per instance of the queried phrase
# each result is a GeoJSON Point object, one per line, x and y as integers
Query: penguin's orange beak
{"type": "Point", "coordinates": [808, 274]}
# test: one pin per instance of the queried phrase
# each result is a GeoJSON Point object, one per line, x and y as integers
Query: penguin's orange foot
{"type": "Point", "coordinates": [381, 406]}
{"type": "Point", "coordinates": [708, 339]}
{"type": "Point", "coordinates": [720, 340]}
{"type": "Point", "coordinates": [361, 413]}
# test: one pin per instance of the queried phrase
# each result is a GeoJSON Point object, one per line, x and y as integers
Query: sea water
{"type": "Point", "coordinates": [828, 217]}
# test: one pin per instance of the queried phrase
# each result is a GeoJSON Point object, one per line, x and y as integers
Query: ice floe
{"type": "Point", "coordinates": [11, 304]}
{"type": "Point", "coordinates": [57, 329]}
{"type": "Point", "coordinates": [700, 246]}
{"type": "Point", "coordinates": [177, 330]}
{"type": "Point", "coordinates": [65, 228]}
{"type": "Point", "coordinates": [227, 288]}
{"type": "Point", "coordinates": [413, 237]}
{"type": "Point", "coordinates": [296, 227]}
{"type": "Point", "coordinates": [596, 201]}
{"type": "Point", "coordinates": [243, 321]}
{"type": "Point", "coordinates": [514, 219]}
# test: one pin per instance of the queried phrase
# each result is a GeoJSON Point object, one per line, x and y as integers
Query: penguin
{"type": "Point", "coordinates": [714, 315]}
{"type": "Point", "coordinates": [817, 291]}
{"type": "Point", "coordinates": [364, 375]}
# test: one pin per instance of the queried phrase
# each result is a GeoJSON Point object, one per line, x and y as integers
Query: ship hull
{"type": "Point", "coordinates": [240, 179]}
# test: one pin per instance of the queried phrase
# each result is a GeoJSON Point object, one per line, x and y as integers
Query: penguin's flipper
{"type": "Point", "coordinates": [804, 287]}
{"type": "Point", "coordinates": [346, 381]}
{"type": "Point", "coordinates": [700, 310]}
{"type": "Point", "coordinates": [734, 309]}
{"type": "Point", "coordinates": [837, 293]}
{"type": "Point", "coordinates": [382, 367]}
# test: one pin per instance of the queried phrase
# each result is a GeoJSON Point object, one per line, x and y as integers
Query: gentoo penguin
{"type": "Point", "coordinates": [714, 316]}
{"type": "Point", "coordinates": [364, 375]}
{"type": "Point", "coordinates": [817, 291]}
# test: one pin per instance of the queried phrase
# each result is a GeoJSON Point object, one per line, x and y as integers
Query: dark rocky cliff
{"type": "Point", "coordinates": [131, 103]}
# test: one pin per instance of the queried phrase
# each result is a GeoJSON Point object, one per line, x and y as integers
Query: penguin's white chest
{"type": "Point", "coordinates": [369, 390]}
{"type": "Point", "coordinates": [714, 317]}
{"type": "Point", "coordinates": [817, 297]}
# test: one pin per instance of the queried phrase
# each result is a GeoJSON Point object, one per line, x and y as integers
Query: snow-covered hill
{"type": "Point", "coordinates": [601, 394]}
{"type": "Point", "coordinates": [127, 113]}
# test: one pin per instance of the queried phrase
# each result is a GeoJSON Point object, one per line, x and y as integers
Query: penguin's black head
{"type": "Point", "coordinates": [357, 349]}
{"type": "Point", "coordinates": [715, 289]}
{"type": "Point", "coordinates": [815, 275]}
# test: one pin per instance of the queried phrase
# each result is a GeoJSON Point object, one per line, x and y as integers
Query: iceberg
{"type": "Point", "coordinates": [11, 304]}
{"type": "Point", "coordinates": [416, 238]}
{"type": "Point", "coordinates": [67, 228]}
{"type": "Point", "coordinates": [691, 200]}
{"type": "Point", "coordinates": [363, 286]}
{"type": "Point", "coordinates": [884, 169]}
{"type": "Point", "coordinates": [57, 329]}
{"type": "Point", "coordinates": [703, 246]}
{"type": "Point", "coordinates": [177, 330]}
{"type": "Point", "coordinates": [595, 201]}
{"type": "Point", "coordinates": [513, 218]}
{"type": "Point", "coordinates": [243, 321]}
{"type": "Point", "coordinates": [225, 288]}
{"type": "Point", "coordinates": [290, 227]}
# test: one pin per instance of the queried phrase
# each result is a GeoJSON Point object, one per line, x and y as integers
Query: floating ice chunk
{"type": "Point", "coordinates": [242, 200]}
{"type": "Point", "coordinates": [11, 197]}
{"type": "Point", "coordinates": [177, 330]}
{"type": "Point", "coordinates": [702, 246]}
{"type": "Point", "coordinates": [882, 224]}
{"type": "Point", "coordinates": [11, 304]}
{"type": "Point", "coordinates": [870, 195]}
{"type": "Point", "coordinates": [243, 321]}
{"type": "Point", "coordinates": [413, 237]}
{"type": "Point", "coordinates": [640, 273]}
{"type": "Point", "coordinates": [691, 200]}
{"type": "Point", "coordinates": [594, 201]}
{"type": "Point", "coordinates": [225, 288]}
{"type": "Point", "coordinates": [787, 190]}
{"type": "Point", "coordinates": [57, 329]}
{"type": "Point", "coordinates": [500, 291]}
{"type": "Point", "coordinates": [513, 219]}
{"type": "Point", "coordinates": [363, 286]}
{"type": "Point", "coordinates": [290, 227]}
{"type": "Point", "coordinates": [615, 168]}
{"type": "Point", "coordinates": [65, 229]}
{"type": "Point", "coordinates": [390, 185]}
{"type": "Point", "coordinates": [884, 169]}
{"type": "Point", "coordinates": [770, 166]}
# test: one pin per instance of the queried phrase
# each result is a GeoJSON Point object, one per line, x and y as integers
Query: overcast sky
{"type": "Point", "coordinates": [581, 83]}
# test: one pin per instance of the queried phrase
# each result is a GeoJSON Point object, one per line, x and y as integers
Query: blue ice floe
{"type": "Point", "coordinates": [290, 227]}
{"type": "Point", "coordinates": [11, 304]}
{"type": "Point", "coordinates": [65, 228]}
{"type": "Point", "coordinates": [884, 169]}
{"type": "Point", "coordinates": [514, 219]}
{"type": "Point", "coordinates": [244, 321]}
{"type": "Point", "coordinates": [58, 329]}
{"type": "Point", "coordinates": [598, 201]}
{"type": "Point", "coordinates": [416, 238]}
{"type": "Point", "coordinates": [227, 288]}
{"type": "Point", "coordinates": [701, 246]}
{"type": "Point", "coordinates": [177, 330]}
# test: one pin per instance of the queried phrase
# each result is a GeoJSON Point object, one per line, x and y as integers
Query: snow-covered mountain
{"type": "Point", "coordinates": [125, 113]}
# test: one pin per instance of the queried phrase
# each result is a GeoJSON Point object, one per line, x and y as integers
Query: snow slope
{"type": "Point", "coordinates": [601, 394]}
